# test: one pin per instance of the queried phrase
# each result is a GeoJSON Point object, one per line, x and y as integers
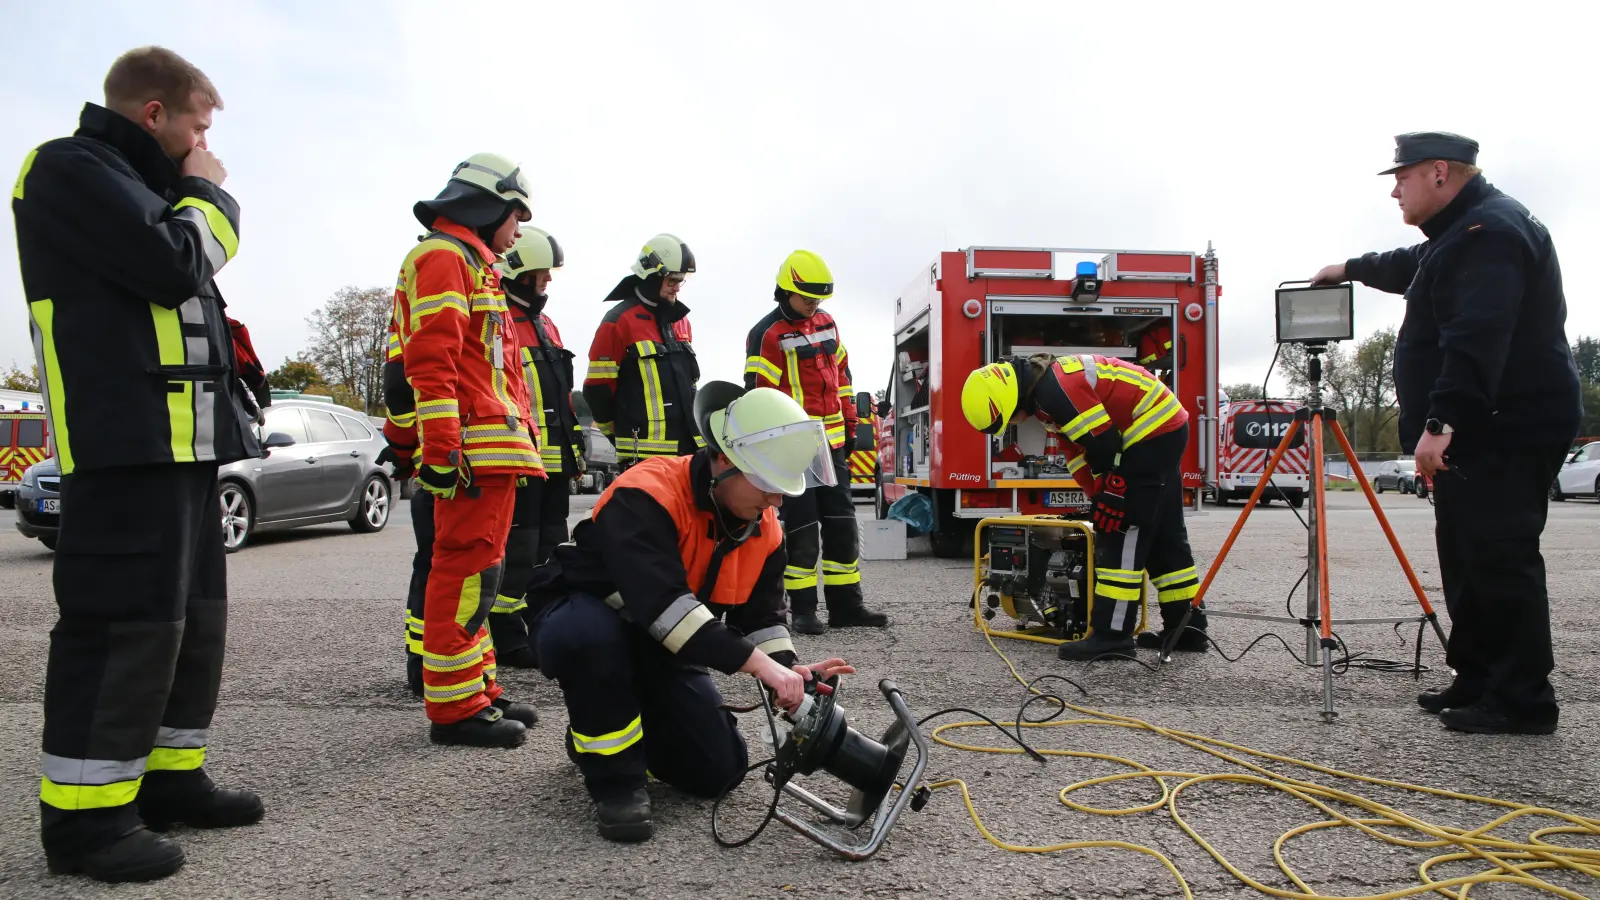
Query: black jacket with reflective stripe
{"type": "Point", "coordinates": [118, 253]}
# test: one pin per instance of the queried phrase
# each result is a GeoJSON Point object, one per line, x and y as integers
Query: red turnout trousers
{"type": "Point", "coordinates": [469, 546]}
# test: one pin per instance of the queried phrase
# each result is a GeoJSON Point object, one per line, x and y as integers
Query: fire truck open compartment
{"type": "Point", "coordinates": [977, 305]}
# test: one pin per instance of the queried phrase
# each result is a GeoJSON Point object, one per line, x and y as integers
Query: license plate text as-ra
{"type": "Point", "coordinates": [50, 505]}
{"type": "Point", "coordinates": [1054, 499]}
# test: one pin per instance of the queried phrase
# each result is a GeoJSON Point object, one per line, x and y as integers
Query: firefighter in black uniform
{"type": "Point", "coordinates": [642, 367]}
{"type": "Point", "coordinates": [1490, 402]}
{"type": "Point", "coordinates": [539, 522]}
{"type": "Point", "coordinates": [678, 570]}
{"type": "Point", "coordinates": [138, 370]}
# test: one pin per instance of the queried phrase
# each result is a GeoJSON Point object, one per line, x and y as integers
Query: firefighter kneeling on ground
{"type": "Point", "coordinates": [679, 570]}
{"type": "Point", "coordinates": [1126, 433]}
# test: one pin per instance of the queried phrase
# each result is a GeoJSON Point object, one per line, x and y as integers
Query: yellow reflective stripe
{"type": "Point", "coordinates": [795, 578]}
{"type": "Point", "coordinates": [510, 455]}
{"type": "Point", "coordinates": [422, 308]}
{"type": "Point", "coordinates": [88, 796]}
{"type": "Point", "coordinates": [467, 601]}
{"type": "Point", "coordinates": [1177, 594]}
{"type": "Point", "coordinates": [796, 390]}
{"type": "Point", "coordinates": [602, 369]}
{"type": "Point", "coordinates": [760, 365]}
{"type": "Point", "coordinates": [504, 604]}
{"type": "Point", "coordinates": [437, 409]}
{"type": "Point", "coordinates": [27, 163]}
{"type": "Point", "coordinates": [403, 420]}
{"type": "Point", "coordinates": [436, 663]}
{"type": "Point", "coordinates": [43, 313]}
{"type": "Point", "coordinates": [173, 759]}
{"type": "Point", "coordinates": [845, 390]}
{"type": "Point", "coordinates": [1076, 463]}
{"type": "Point", "coordinates": [1116, 592]}
{"type": "Point", "coordinates": [1172, 578]}
{"type": "Point", "coordinates": [221, 228]}
{"type": "Point", "coordinates": [611, 743]}
{"type": "Point", "coordinates": [655, 408]}
{"type": "Point", "coordinates": [839, 354]}
{"type": "Point", "coordinates": [180, 403]}
{"type": "Point", "coordinates": [1086, 422]}
{"type": "Point", "coordinates": [838, 578]}
{"type": "Point", "coordinates": [450, 692]}
{"type": "Point", "coordinates": [1150, 421]}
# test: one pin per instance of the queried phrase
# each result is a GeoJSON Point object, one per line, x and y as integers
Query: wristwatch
{"type": "Point", "coordinates": [1434, 426]}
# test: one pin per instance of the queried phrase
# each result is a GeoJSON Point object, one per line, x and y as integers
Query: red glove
{"type": "Point", "coordinates": [1110, 504]}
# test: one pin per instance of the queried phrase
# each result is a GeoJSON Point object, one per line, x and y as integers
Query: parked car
{"type": "Point", "coordinates": [1579, 476]}
{"type": "Point", "coordinates": [1398, 475]}
{"type": "Point", "coordinates": [318, 464]}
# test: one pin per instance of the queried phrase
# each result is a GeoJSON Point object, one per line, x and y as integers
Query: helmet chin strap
{"type": "Point", "coordinates": [749, 525]}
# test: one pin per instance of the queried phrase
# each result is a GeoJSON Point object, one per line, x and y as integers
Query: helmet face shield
{"type": "Point", "coordinates": [787, 459]}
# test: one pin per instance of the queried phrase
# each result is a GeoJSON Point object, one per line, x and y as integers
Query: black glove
{"type": "Point", "coordinates": [401, 457]}
{"type": "Point", "coordinates": [1110, 505]}
{"type": "Point", "coordinates": [440, 481]}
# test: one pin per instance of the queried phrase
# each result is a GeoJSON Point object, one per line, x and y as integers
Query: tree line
{"type": "Point", "coordinates": [1359, 383]}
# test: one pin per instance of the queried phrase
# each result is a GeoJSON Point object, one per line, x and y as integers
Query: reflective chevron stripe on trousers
{"type": "Point", "coordinates": [469, 543]}
{"type": "Point", "coordinates": [136, 655]}
{"type": "Point", "coordinates": [632, 706]}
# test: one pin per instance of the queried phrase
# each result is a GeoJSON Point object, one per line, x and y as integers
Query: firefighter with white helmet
{"type": "Point", "coordinates": [642, 368]}
{"type": "Point", "coordinates": [678, 570]}
{"type": "Point", "coordinates": [464, 428]}
{"type": "Point", "coordinates": [796, 348]}
{"type": "Point", "coordinates": [539, 519]}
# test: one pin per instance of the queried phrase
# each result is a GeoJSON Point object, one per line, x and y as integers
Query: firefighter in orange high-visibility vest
{"type": "Point", "coordinates": [1125, 434]}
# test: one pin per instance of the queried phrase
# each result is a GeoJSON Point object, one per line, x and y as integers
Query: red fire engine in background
{"type": "Point", "coordinates": [972, 306]}
{"type": "Point", "coordinates": [1251, 430]}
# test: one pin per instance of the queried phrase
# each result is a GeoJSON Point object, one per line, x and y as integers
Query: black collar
{"type": "Point", "coordinates": [664, 312]}
{"type": "Point", "coordinates": [700, 486]}
{"type": "Point", "coordinates": [1471, 193]}
{"type": "Point", "coordinates": [140, 147]}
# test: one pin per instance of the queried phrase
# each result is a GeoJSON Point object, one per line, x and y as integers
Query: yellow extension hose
{"type": "Point", "coordinates": [1506, 861]}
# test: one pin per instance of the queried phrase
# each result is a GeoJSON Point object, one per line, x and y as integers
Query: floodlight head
{"type": "Point", "coordinates": [1086, 284]}
{"type": "Point", "coordinates": [1314, 315]}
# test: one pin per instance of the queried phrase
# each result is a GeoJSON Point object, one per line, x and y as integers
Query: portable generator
{"type": "Point", "coordinates": [1033, 578]}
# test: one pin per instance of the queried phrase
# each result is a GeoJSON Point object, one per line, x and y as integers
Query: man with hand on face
{"type": "Point", "coordinates": [796, 349]}
{"type": "Point", "coordinates": [642, 367]}
{"type": "Point", "coordinates": [679, 569]}
{"type": "Point", "coordinates": [467, 409]}
{"type": "Point", "coordinates": [1489, 398]}
{"type": "Point", "coordinates": [1125, 435]}
{"type": "Point", "coordinates": [121, 230]}
{"type": "Point", "coordinates": [539, 520]}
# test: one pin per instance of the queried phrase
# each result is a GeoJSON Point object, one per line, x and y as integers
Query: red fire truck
{"type": "Point", "coordinates": [24, 440]}
{"type": "Point", "coordinates": [1251, 430]}
{"type": "Point", "coordinates": [972, 306]}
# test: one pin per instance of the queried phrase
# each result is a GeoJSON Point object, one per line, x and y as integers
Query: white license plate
{"type": "Point", "coordinates": [50, 505]}
{"type": "Point", "coordinates": [1053, 499]}
{"type": "Point", "coordinates": [1249, 479]}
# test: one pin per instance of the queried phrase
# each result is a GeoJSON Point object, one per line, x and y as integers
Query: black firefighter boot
{"type": "Point", "coordinates": [849, 612]}
{"type": "Point", "coordinates": [137, 854]}
{"type": "Point", "coordinates": [169, 798]}
{"type": "Point", "coordinates": [1193, 639]}
{"type": "Point", "coordinates": [488, 728]}
{"type": "Point", "coordinates": [803, 619]}
{"type": "Point", "coordinates": [625, 818]}
{"type": "Point", "coordinates": [517, 712]}
{"type": "Point", "coordinates": [1102, 640]}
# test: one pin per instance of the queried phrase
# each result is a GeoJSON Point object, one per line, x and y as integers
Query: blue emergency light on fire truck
{"type": "Point", "coordinates": [973, 306]}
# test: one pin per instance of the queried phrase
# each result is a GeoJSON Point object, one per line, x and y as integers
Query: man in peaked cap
{"type": "Point", "coordinates": [1489, 401]}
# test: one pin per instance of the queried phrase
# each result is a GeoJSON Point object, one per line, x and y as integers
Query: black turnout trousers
{"type": "Point", "coordinates": [136, 656]}
{"type": "Point", "coordinates": [1489, 514]}
{"type": "Point", "coordinates": [633, 706]}
{"type": "Point", "coordinates": [1154, 543]}
{"type": "Point", "coordinates": [538, 524]}
{"type": "Point", "coordinates": [822, 523]}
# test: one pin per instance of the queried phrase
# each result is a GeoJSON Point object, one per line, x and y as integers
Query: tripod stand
{"type": "Point", "coordinates": [1319, 619]}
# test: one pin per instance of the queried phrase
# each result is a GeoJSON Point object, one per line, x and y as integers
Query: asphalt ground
{"type": "Point", "coordinates": [314, 715]}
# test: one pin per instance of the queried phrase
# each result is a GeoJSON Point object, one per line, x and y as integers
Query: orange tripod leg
{"type": "Point", "coordinates": [1216, 564]}
{"type": "Point", "coordinates": [1320, 498]}
{"type": "Point", "coordinates": [1394, 542]}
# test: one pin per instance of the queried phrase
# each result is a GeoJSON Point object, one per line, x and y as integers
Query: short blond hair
{"type": "Point", "coordinates": [156, 73]}
{"type": "Point", "coordinates": [1463, 171]}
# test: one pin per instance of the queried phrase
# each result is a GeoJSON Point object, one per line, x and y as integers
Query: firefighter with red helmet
{"type": "Point", "coordinates": [539, 517]}
{"type": "Point", "coordinates": [678, 571]}
{"type": "Point", "coordinates": [467, 410]}
{"type": "Point", "coordinates": [1125, 433]}
{"type": "Point", "coordinates": [642, 368]}
{"type": "Point", "coordinates": [796, 349]}
{"type": "Point", "coordinates": [1155, 347]}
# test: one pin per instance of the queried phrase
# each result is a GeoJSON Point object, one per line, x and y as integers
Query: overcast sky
{"type": "Point", "coordinates": [874, 133]}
